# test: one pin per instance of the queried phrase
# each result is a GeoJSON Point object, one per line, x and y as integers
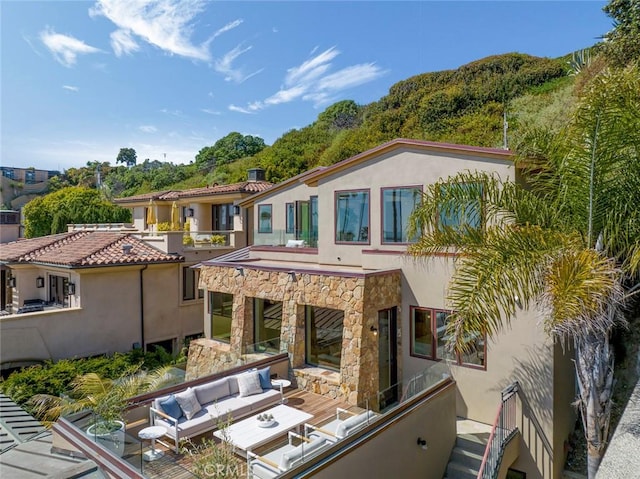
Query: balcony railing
{"type": "Point", "coordinates": [282, 238]}
{"type": "Point", "coordinates": [503, 430]}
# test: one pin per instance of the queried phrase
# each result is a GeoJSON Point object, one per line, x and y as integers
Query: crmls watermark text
{"type": "Point", "coordinates": [224, 470]}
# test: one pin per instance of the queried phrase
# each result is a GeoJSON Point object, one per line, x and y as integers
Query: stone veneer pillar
{"type": "Point", "coordinates": [360, 296]}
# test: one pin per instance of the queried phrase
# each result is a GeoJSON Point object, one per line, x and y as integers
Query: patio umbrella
{"type": "Point", "coordinates": [175, 217]}
{"type": "Point", "coordinates": [151, 213]}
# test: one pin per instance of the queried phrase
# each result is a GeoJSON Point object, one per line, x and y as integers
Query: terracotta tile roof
{"type": "Point", "coordinates": [172, 195]}
{"type": "Point", "coordinates": [83, 249]}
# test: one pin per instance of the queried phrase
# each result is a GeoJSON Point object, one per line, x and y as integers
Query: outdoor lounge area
{"type": "Point", "coordinates": [283, 430]}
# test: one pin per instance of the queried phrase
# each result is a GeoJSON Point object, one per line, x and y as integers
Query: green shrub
{"type": "Point", "coordinates": [55, 378]}
{"type": "Point", "coordinates": [187, 240]}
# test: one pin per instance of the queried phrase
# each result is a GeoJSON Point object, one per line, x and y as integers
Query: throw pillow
{"type": "Point", "coordinates": [171, 407]}
{"type": "Point", "coordinates": [249, 383]}
{"type": "Point", "coordinates": [265, 377]}
{"type": "Point", "coordinates": [188, 403]}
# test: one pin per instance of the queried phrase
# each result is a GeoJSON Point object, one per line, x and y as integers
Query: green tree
{"type": "Point", "coordinates": [228, 149]}
{"type": "Point", "coordinates": [569, 241]}
{"type": "Point", "coordinates": [622, 44]}
{"type": "Point", "coordinates": [127, 156]}
{"type": "Point", "coordinates": [51, 213]}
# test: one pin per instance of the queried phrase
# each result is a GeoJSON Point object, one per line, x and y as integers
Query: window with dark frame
{"type": "Point", "coordinates": [352, 216]}
{"type": "Point", "coordinates": [265, 224]}
{"type": "Point", "coordinates": [190, 284]}
{"type": "Point", "coordinates": [221, 315]}
{"type": "Point", "coordinates": [290, 212]}
{"type": "Point", "coordinates": [222, 217]}
{"type": "Point", "coordinates": [456, 216]}
{"type": "Point", "coordinates": [397, 206]}
{"type": "Point", "coordinates": [323, 337]}
{"type": "Point", "coordinates": [428, 338]}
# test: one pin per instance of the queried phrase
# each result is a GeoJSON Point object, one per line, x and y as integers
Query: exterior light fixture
{"type": "Point", "coordinates": [292, 275]}
{"type": "Point", "coordinates": [189, 212]}
{"type": "Point", "coordinates": [11, 282]}
{"type": "Point", "coordinates": [72, 289]}
{"type": "Point", "coordinates": [422, 443]}
{"type": "Point", "coordinates": [374, 330]}
{"type": "Point", "coordinates": [240, 270]}
{"type": "Point", "coordinates": [39, 282]}
{"type": "Point", "coordinates": [236, 210]}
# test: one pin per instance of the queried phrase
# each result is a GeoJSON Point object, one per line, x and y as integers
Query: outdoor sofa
{"type": "Point", "coordinates": [204, 407]}
{"type": "Point", "coordinates": [274, 463]}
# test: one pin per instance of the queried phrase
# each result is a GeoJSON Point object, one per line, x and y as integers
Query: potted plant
{"type": "Point", "coordinates": [266, 420]}
{"type": "Point", "coordinates": [218, 240]}
{"type": "Point", "coordinates": [106, 399]}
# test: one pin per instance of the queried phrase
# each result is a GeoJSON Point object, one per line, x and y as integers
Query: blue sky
{"type": "Point", "coordinates": [80, 80]}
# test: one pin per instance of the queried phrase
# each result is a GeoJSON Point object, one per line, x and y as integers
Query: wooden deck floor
{"type": "Point", "coordinates": [180, 466]}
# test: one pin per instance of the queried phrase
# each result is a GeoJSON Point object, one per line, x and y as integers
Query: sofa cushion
{"type": "Point", "coordinates": [231, 405]}
{"type": "Point", "coordinates": [249, 383]}
{"type": "Point", "coordinates": [212, 391]}
{"type": "Point", "coordinates": [171, 407]}
{"type": "Point", "coordinates": [347, 426]}
{"type": "Point", "coordinates": [188, 403]}
{"type": "Point", "coordinates": [233, 384]}
{"type": "Point", "coordinates": [260, 401]}
{"type": "Point", "coordinates": [295, 456]}
{"type": "Point", "coordinates": [265, 377]}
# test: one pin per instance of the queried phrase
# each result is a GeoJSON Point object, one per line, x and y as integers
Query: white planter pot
{"type": "Point", "coordinates": [114, 440]}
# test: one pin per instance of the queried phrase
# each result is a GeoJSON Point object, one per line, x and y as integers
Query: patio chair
{"type": "Point", "coordinates": [340, 427]}
{"type": "Point", "coordinates": [279, 460]}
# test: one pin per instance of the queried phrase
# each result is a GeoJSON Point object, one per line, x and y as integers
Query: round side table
{"type": "Point", "coordinates": [153, 433]}
{"type": "Point", "coordinates": [281, 383]}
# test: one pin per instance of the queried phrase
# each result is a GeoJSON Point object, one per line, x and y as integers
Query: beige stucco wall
{"type": "Point", "coordinates": [395, 452]}
{"type": "Point", "coordinates": [108, 319]}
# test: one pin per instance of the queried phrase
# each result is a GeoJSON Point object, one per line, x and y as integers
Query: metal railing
{"type": "Point", "coordinates": [503, 430]}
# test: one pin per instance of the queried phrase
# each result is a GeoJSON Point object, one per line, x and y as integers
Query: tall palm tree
{"type": "Point", "coordinates": [568, 241]}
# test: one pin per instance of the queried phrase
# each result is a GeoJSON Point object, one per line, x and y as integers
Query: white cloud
{"type": "Point", "coordinates": [70, 87]}
{"type": "Point", "coordinates": [227, 27]}
{"type": "Point", "coordinates": [123, 43]}
{"type": "Point", "coordinates": [239, 109]}
{"type": "Point", "coordinates": [224, 65]}
{"type": "Point", "coordinates": [65, 49]}
{"type": "Point", "coordinates": [210, 112]}
{"type": "Point", "coordinates": [166, 24]}
{"type": "Point", "coordinates": [147, 128]}
{"type": "Point", "coordinates": [311, 81]}
{"type": "Point", "coordinates": [311, 69]}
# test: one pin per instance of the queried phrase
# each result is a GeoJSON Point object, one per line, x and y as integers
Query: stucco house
{"type": "Point", "coordinates": [328, 281]}
{"type": "Point", "coordinates": [103, 288]}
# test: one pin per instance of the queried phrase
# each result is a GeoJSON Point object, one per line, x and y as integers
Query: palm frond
{"type": "Point", "coordinates": [580, 288]}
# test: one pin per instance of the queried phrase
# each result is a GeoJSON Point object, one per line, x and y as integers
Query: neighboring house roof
{"type": "Point", "coordinates": [26, 449]}
{"type": "Point", "coordinates": [84, 249]}
{"type": "Point", "coordinates": [249, 187]}
{"type": "Point", "coordinates": [312, 179]}
{"type": "Point", "coordinates": [16, 425]}
{"type": "Point", "coordinates": [280, 186]}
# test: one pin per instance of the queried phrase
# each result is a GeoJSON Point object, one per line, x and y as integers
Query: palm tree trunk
{"type": "Point", "coordinates": [594, 369]}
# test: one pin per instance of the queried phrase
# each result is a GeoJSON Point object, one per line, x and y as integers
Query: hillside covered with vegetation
{"type": "Point", "coordinates": [466, 105]}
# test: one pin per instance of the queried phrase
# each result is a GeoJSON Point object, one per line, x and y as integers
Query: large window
{"type": "Point", "coordinates": [455, 215]}
{"type": "Point", "coordinates": [190, 284]}
{"type": "Point", "coordinates": [323, 336]}
{"type": "Point", "coordinates": [428, 338]}
{"type": "Point", "coordinates": [352, 216]}
{"type": "Point", "coordinates": [397, 206]}
{"type": "Point", "coordinates": [264, 219]}
{"type": "Point", "coordinates": [220, 311]}
{"type": "Point", "coordinates": [222, 217]}
{"type": "Point", "coordinates": [290, 212]}
{"type": "Point", "coordinates": [267, 322]}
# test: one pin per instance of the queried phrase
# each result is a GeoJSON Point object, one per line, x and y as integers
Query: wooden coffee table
{"type": "Point", "coordinates": [247, 434]}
